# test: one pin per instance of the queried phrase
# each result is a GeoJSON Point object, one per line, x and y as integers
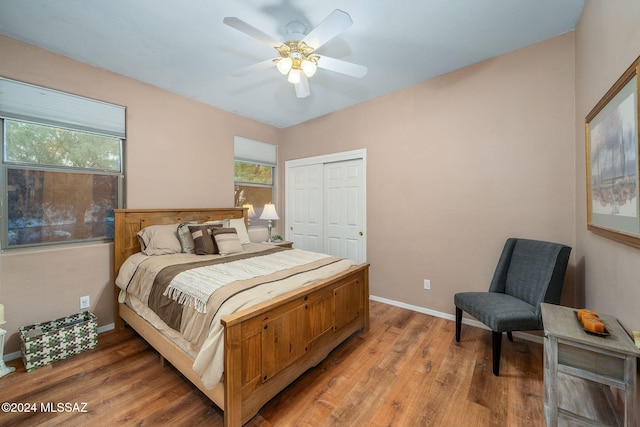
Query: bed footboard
{"type": "Point", "coordinates": [270, 345]}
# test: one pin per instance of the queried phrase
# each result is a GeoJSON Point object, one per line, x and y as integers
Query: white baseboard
{"type": "Point", "coordinates": [12, 356]}
{"type": "Point", "coordinates": [106, 328]}
{"type": "Point", "coordinates": [17, 354]}
{"type": "Point", "coordinates": [465, 321]}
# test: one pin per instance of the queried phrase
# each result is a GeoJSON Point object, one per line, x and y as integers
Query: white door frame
{"type": "Point", "coordinates": [329, 158]}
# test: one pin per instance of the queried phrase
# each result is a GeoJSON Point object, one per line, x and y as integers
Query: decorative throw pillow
{"type": "Point", "coordinates": [227, 241]}
{"type": "Point", "coordinates": [184, 234]}
{"type": "Point", "coordinates": [159, 240]}
{"type": "Point", "coordinates": [241, 229]}
{"type": "Point", "coordinates": [203, 243]}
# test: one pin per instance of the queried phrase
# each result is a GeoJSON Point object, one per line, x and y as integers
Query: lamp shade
{"type": "Point", "coordinates": [284, 65]}
{"type": "Point", "coordinates": [309, 67]}
{"type": "Point", "coordinates": [294, 76]}
{"type": "Point", "coordinates": [269, 212]}
{"type": "Point", "coordinates": [251, 212]}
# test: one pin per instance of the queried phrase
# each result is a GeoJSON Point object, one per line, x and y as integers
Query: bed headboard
{"type": "Point", "coordinates": [129, 221]}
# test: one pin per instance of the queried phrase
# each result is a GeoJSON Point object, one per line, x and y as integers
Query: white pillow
{"type": "Point", "coordinates": [241, 229]}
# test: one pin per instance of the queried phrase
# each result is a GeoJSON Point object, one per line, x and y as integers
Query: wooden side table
{"type": "Point", "coordinates": [581, 364]}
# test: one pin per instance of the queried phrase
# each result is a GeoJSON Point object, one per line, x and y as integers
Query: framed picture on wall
{"type": "Point", "coordinates": [612, 161]}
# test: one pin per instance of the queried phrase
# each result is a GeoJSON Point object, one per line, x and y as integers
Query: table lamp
{"type": "Point", "coordinates": [269, 213]}
{"type": "Point", "coordinates": [251, 213]}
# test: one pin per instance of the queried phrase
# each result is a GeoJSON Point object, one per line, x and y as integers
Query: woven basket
{"type": "Point", "coordinates": [45, 343]}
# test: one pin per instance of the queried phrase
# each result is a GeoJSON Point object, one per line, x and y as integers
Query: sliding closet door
{"type": "Point", "coordinates": [305, 210]}
{"type": "Point", "coordinates": [326, 204]}
{"type": "Point", "coordinates": [344, 209]}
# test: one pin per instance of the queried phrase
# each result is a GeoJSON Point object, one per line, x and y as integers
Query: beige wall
{"type": "Point", "coordinates": [457, 164]}
{"type": "Point", "coordinates": [179, 154]}
{"type": "Point", "coordinates": [607, 42]}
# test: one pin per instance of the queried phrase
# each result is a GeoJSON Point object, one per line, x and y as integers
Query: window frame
{"type": "Point", "coordinates": [114, 126]}
{"type": "Point", "coordinates": [255, 221]}
{"type": "Point", "coordinates": [5, 166]}
{"type": "Point", "coordinates": [260, 153]}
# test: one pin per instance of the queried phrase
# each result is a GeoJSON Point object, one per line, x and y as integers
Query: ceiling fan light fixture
{"type": "Point", "coordinates": [297, 59]}
{"type": "Point", "coordinates": [294, 76]}
{"type": "Point", "coordinates": [284, 65]}
{"type": "Point", "coordinates": [309, 67]}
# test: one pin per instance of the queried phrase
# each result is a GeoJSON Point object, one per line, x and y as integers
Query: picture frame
{"type": "Point", "coordinates": [612, 164]}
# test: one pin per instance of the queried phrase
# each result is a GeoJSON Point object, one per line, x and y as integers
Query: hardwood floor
{"type": "Point", "coordinates": [406, 371]}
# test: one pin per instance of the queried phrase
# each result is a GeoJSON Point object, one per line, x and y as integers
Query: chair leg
{"type": "Point", "coordinates": [510, 336]}
{"type": "Point", "coordinates": [458, 323]}
{"type": "Point", "coordinates": [497, 344]}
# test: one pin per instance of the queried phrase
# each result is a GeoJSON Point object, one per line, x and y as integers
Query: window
{"type": "Point", "coordinates": [254, 171]}
{"type": "Point", "coordinates": [62, 176]}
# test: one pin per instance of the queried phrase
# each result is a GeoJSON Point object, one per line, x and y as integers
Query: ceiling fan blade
{"type": "Point", "coordinates": [250, 30]}
{"type": "Point", "coordinates": [254, 68]}
{"type": "Point", "coordinates": [302, 87]}
{"type": "Point", "coordinates": [342, 67]}
{"type": "Point", "coordinates": [334, 24]}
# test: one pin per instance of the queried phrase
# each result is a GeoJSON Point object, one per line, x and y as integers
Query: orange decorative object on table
{"type": "Point", "coordinates": [592, 323]}
{"type": "Point", "coordinates": [584, 311]}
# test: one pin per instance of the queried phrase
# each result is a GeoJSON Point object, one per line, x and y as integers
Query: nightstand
{"type": "Point", "coordinates": [282, 244]}
{"type": "Point", "coordinates": [575, 360]}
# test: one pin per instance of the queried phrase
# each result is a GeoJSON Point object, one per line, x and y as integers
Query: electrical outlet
{"type": "Point", "coordinates": [84, 302]}
{"type": "Point", "coordinates": [427, 284]}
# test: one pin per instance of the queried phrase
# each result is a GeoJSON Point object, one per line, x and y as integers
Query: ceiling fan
{"type": "Point", "coordinates": [297, 58]}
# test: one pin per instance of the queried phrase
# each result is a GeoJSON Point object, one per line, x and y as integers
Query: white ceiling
{"type": "Point", "coordinates": [184, 47]}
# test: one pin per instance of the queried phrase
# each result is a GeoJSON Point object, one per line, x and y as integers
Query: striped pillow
{"type": "Point", "coordinates": [227, 241]}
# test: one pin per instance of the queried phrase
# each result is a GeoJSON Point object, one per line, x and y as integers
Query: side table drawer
{"type": "Point", "coordinates": [595, 362]}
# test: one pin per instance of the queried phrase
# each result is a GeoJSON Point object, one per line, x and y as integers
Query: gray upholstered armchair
{"type": "Point", "coordinates": [529, 272]}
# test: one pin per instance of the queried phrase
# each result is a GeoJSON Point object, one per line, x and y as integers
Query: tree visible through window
{"type": "Point", "coordinates": [61, 185]}
{"type": "Point", "coordinates": [253, 185]}
{"type": "Point", "coordinates": [46, 145]}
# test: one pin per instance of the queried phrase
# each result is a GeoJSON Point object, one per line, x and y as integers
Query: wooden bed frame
{"type": "Point", "coordinates": [267, 346]}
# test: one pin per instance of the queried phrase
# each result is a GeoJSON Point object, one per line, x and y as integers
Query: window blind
{"type": "Point", "coordinates": [251, 151]}
{"type": "Point", "coordinates": [30, 103]}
